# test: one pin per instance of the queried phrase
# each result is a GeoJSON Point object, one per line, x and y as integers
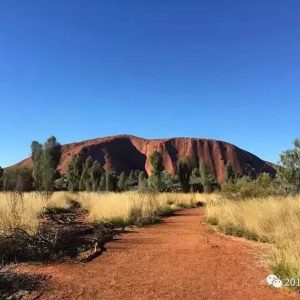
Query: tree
{"type": "Point", "coordinates": [85, 182]}
{"type": "Point", "coordinates": [289, 169]}
{"type": "Point", "coordinates": [96, 173]}
{"type": "Point", "coordinates": [229, 173]}
{"type": "Point", "coordinates": [206, 179]}
{"type": "Point", "coordinates": [108, 182]}
{"type": "Point", "coordinates": [122, 182]}
{"type": "Point", "coordinates": [103, 182]}
{"type": "Point", "coordinates": [50, 160]}
{"type": "Point", "coordinates": [184, 173]}
{"type": "Point", "coordinates": [37, 159]}
{"type": "Point", "coordinates": [166, 181]}
{"type": "Point", "coordinates": [45, 161]}
{"type": "Point", "coordinates": [74, 173]}
{"type": "Point", "coordinates": [157, 168]}
{"type": "Point", "coordinates": [142, 181]}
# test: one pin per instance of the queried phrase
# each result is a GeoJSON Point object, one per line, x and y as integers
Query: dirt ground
{"type": "Point", "coordinates": [179, 258]}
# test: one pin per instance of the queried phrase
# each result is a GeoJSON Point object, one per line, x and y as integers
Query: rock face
{"type": "Point", "coordinates": [125, 153]}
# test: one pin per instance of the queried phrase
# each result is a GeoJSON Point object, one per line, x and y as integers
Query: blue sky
{"type": "Point", "coordinates": [221, 69]}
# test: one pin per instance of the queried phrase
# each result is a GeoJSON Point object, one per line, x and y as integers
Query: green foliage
{"type": "Point", "coordinates": [74, 173]}
{"type": "Point", "coordinates": [195, 173]}
{"type": "Point", "coordinates": [37, 158]}
{"type": "Point", "coordinates": [18, 180]}
{"type": "Point", "coordinates": [136, 174]}
{"type": "Point", "coordinates": [90, 179]}
{"type": "Point", "coordinates": [51, 157]}
{"type": "Point", "coordinates": [84, 181]}
{"type": "Point", "coordinates": [229, 173]}
{"type": "Point", "coordinates": [166, 181]}
{"type": "Point", "coordinates": [108, 182]}
{"type": "Point", "coordinates": [96, 172]}
{"type": "Point", "coordinates": [264, 180]}
{"type": "Point", "coordinates": [245, 188]}
{"type": "Point", "coordinates": [45, 161]}
{"type": "Point", "coordinates": [157, 168]}
{"type": "Point", "coordinates": [184, 173]}
{"type": "Point", "coordinates": [289, 170]}
{"type": "Point", "coordinates": [121, 185]}
{"type": "Point", "coordinates": [132, 175]}
{"type": "Point", "coordinates": [142, 182]}
{"type": "Point", "coordinates": [207, 179]}
{"type": "Point", "coordinates": [102, 182]}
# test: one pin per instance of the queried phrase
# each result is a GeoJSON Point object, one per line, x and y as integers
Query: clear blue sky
{"type": "Point", "coordinates": [220, 69]}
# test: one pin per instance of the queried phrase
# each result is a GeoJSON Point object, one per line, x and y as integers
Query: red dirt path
{"type": "Point", "coordinates": [180, 258]}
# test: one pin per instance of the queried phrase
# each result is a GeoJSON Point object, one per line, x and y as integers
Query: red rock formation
{"type": "Point", "coordinates": [125, 152]}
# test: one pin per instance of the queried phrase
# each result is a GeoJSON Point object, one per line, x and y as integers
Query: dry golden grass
{"type": "Point", "coordinates": [272, 219]}
{"type": "Point", "coordinates": [124, 207]}
{"type": "Point", "coordinates": [23, 210]}
{"type": "Point", "coordinates": [20, 211]}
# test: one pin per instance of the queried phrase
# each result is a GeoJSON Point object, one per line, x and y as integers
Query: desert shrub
{"type": "Point", "coordinates": [245, 188]}
{"type": "Point", "coordinates": [18, 180]}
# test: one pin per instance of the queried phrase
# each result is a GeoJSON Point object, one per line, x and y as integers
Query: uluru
{"type": "Point", "coordinates": [126, 152]}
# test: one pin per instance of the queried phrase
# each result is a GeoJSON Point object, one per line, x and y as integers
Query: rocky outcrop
{"type": "Point", "coordinates": [126, 152]}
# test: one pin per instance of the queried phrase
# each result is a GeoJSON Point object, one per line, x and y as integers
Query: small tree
{"type": "Point", "coordinates": [74, 173]}
{"type": "Point", "coordinates": [289, 170]}
{"type": "Point", "coordinates": [184, 173]}
{"type": "Point", "coordinates": [37, 159]}
{"type": "Point", "coordinates": [108, 182]}
{"type": "Point", "coordinates": [85, 182]}
{"type": "Point", "coordinates": [103, 182]}
{"type": "Point", "coordinates": [121, 185]}
{"type": "Point", "coordinates": [50, 161]}
{"type": "Point", "coordinates": [229, 173]}
{"type": "Point", "coordinates": [96, 173]}
{"type": "Point", "coordinates": [142, 181]}
{"type": "Point", "coordinates": [157, 167]}
{"type": "Point", "coordinates": [206, 179]}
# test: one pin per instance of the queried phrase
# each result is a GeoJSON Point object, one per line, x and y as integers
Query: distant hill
{"type": "Point", "coordinates": [126, 152]}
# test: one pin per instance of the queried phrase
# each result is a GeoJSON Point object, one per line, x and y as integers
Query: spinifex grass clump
{"type": "Point", "coordinates": [272, 219]}
{"type": "Point", "coordinates": [132, 207]}
{"type": "Point", "coordinates": [20, 211]}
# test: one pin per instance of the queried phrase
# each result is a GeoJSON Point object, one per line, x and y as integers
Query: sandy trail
{"type": "Point", "coordinates": [179, 258]}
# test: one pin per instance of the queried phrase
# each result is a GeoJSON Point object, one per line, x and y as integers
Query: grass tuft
{"type": "Point", "coordinates": [270, 219]}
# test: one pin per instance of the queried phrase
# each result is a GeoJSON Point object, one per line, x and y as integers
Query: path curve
{"type": "Point", "coordinates": [179, 258]}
